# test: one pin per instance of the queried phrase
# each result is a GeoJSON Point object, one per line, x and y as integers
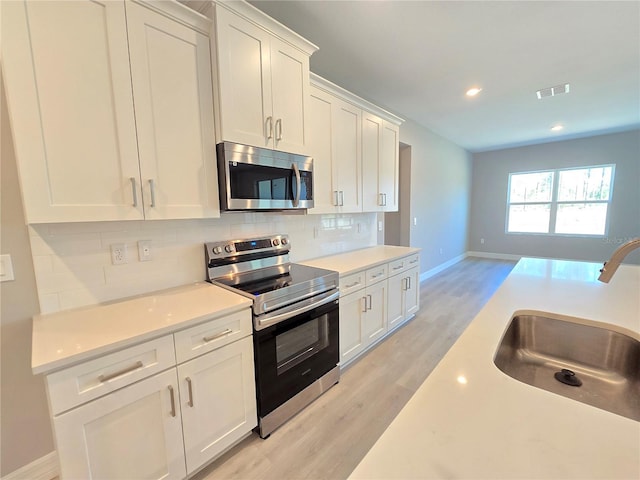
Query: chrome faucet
{"type": "Point", "coordinates": [610, 267]}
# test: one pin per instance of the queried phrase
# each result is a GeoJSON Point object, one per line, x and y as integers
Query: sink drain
{"type": "Point", "coordinates": [568, 378]}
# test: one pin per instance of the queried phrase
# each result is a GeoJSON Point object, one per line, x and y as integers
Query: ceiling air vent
{"type": "Point", "coordinates": [552, 91]}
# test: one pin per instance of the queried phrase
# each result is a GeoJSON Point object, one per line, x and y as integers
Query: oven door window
{"type": "Point", "coordinates": [298, 344]}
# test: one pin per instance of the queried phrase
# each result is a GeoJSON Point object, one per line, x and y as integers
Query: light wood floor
{"type": "Point", "coordinates": [328, 439]}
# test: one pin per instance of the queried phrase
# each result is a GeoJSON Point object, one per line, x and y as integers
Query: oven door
{"type": "Point", "coordinates": [294, 353]}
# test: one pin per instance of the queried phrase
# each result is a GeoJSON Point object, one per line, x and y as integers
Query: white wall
{"type": "Point", "coordinates": [440, 182]}
{"type": "Point", "coordinates": [489, 196]}
{"type": "Point", "coordinates": [24, 416]}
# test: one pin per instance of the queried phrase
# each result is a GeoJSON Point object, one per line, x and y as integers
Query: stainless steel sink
{"type": "Point", "coordinates": [536, 348]}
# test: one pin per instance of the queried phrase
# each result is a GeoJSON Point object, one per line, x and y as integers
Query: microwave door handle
{"type": "Point", "coordinates": [296, 201]}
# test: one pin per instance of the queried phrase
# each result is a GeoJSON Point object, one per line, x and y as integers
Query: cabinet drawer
{"type": "Point", "coordinates": [402, 264]}
{"type": "Point", "coordinates": [94, 378]}
{"type": "Point", "coordinates": [213, 334]}
{"type": "Point", "coordinates": [351, 283]}
{"type": "Point", "coordinates": [376, 274]}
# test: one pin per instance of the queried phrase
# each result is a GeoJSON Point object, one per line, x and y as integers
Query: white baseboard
{"type": "Point", "coordinates": [441, 267]}
{"type": "Point", "coordinates": [43, 468]}
{"type": "Point", "coordinates": [497, 256]}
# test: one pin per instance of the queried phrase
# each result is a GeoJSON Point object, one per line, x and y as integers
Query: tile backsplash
{"type": "Point", "coordinates": [73, 268]}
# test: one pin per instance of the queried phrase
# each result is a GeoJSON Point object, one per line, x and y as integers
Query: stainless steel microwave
{"type": "Point", "coordinates": [252, 178]}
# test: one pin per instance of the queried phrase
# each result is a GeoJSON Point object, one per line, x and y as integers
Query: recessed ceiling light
{"type": "Point", "coordinates": [472, 92]}
{"type": "Point", "coordinates": [557, 128]}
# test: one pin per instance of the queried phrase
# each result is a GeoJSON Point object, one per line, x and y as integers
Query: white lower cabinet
{"type": "Point", "coordinates": [404, 292]}
{"type": "Point", "coordinates": [214, 418]}
{"type": "Point", "coordinates": [363, 320]}
{"type": "Point", "coordinates": [133, 433]}
{"type": "Point", "coordinates": [127, 421]}
{"type": "Point", "coordinates": [367, 314]}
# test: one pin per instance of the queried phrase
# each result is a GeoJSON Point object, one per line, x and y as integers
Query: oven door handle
{"type": "Point", "coordinates": [270, 320]}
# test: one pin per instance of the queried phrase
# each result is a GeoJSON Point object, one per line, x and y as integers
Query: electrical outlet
{"type": "Point", "coordinates": [119, 253]}
{"type": "Point", "coordinates": [144, 250]}
{"type": "Point", "coordinates": [415, 221]}
{"type": "Point", "coordinates": [482, 241]}
{"type": "Point", "coordinates": [379, 226]}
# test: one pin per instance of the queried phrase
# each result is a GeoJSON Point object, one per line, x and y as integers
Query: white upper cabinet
{"type": "Point", "coordinates": [380, 180]}
{"type": "Point", "coordinates": [77, 134]}
{"type": "Point", "coordinates": [355, 149]}
{"type": "Point", "coordinates": [335, 145]}
{"type": "Point", "coordinates": [173, 94]}
{"type": "Point", "coordinates": [263, 80]}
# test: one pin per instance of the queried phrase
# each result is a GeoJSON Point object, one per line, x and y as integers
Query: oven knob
{"type": "Point", "coordinates": [276, 242]}
{"type": "Point", "coordinates": [285, 241]}
{"type": "Point", "coordinates": [217, 250]}
{"type": "Point", "coordinates": [228, 248]}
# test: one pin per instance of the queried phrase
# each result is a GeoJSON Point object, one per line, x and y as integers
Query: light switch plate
{"type": "Point", "coordinates": [6, 268]}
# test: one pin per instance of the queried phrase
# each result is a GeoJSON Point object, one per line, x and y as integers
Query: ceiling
{"type": "Point", "coordinates": [418, 58]}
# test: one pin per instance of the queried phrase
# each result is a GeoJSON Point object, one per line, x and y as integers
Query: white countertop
{"type": "Point", "coordinates": [493, 426]}
{"type": "Point", "coordinates": [64, 338]}
{"type": "Point", "coordinates": [356, 260]}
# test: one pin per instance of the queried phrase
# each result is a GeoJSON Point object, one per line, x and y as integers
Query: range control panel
{"type": "Point", "coordinates": [232, 248]}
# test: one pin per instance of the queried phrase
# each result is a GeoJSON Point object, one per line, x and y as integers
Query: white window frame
{"type": "Point", "coordinates": [554, 202]}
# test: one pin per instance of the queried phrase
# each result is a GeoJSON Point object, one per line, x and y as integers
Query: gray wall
{"type": "Point", "coordinates": [24, 418]}
{"type": "Point", "coordinates": [489, 196]}
{"type": "Point", "coordinates": [440, 182]}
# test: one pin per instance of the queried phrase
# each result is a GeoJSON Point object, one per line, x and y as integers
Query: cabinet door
{"type": "Point", "coordinates": [290, 91]}
{"type": "Point", "coordinates": [171, 77]}
{"type": "Point", "coordinates": [347, 155]}
{"type": "Point", "coordinates": [135, 432]}
{"type": "Point", "coordinates": [375, 320]}
{"type": "Point", "coordinates": [66, 67]}
{"type": "Point", "coordinates": [218, 401]}
{"type": "Point", "coordinates": [395, 307]}
{"type": "Point", "coordinates": [319, 128]}
{"type": "Point", "coordinates": [388, 171]}
{"type": "Point", "coordinates": [412, 294]}
{"type": "Point", "coordinates": [244, 81]}
{"type": "Point", "coordinates": [352, 340]}
{"type": "Point", "coordinates": [372, 199]}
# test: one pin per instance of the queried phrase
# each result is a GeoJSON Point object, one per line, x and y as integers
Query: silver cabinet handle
{"type": "Point", "coordinates": [152, 188]}
{"type": "Point", "coordinates": [296, 201]}
{"type": "Point", "coordinates": [365, 303]}
{"type": "Point", "coordinates": [415, 260]}
{"type": "Point", "coordinates": [370, 302]}
{"type": "Point", "coordinates": [190, 402]}
{"type": "Point", "coordinates": [409, 280]}
{"type": "Point", "coordinates": [279, 129]}
{"type": "Point", "coordinates": [336, 203]}
{"type": "Point", "coordinates": [210, 338]}
{"type": "Point", "coordinates": [381, 199]}
{"type": "Point", "coordinates": [134, 191]}
{"type": "Point", "coordinates": [119, 373]}
{"type": "Point", "coordinates": [385, 199]}
{"type": "Point", "coordinates": [269, 122]}
{"type": "Point", "coordinates": [173, 401]}
{"type": "Point", "coordinates": [341, 198]}
{"type": "Point", "coordinates": [377, 275]}
{"type": "Point", "coordinates": [405, 283]}
{"type": "Point", "coordinates": [352, 284]}
{"type": "Point", "coordinates": [399, 267]}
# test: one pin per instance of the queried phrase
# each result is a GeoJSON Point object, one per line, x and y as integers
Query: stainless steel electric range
{"type": "Point", "coordinates": [295, 320]}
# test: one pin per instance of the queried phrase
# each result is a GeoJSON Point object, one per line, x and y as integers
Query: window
{"type": "Point", "coordinates": [564, 202]}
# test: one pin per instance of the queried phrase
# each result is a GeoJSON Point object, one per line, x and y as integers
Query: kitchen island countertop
{"type": "Point", "coordinates": [470, 420]}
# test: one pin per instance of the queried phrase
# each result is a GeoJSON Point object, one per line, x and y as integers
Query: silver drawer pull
{"type": "Point", "coordinates": [415, 260]}
{"type": "Point", "coordinates": [398, 267]}
{"type": "Point", "coordinates": [377, 275]}
{"type": "Point", "coordinates": [173, 401]}
{"type": "Point", "coordinates": [134, 191]}
{"type": "Point", "coordinates": [190, 402]}
{"type": "Point", "coordinates": [111, 376]}
{"type": "Point", "coordinates": [217, 335]}
{"type": "Point", "coordinates": [352, 284]}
